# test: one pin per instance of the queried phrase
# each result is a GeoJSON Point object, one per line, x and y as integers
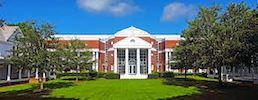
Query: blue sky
{"type": "Point", "coordinates": [108, 16]}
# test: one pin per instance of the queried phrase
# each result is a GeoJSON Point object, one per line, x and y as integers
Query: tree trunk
{"type": "Point", "coordinates": [219, 74]}
{"type": "Point", "coordinates": [54, 70]}
{"type": "Point", "coordinates": [41, 85]}
{"type": "Point", "coordinates": [185, 72]}
{"type": "Point", "coordinates": [234, 72]}
{"type": "Point", "coordinates": [77, 70]}
{"type": "Point", "coordinates": [37, 73]}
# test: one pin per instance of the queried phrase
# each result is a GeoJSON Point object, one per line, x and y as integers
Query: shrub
{"type": "Point", "coordinates": [112, 76]}
{"type": "Point", "coordinates": [160, 74]}
{"type": "Point", "coordinates": [101, 75]}
{"type": "Point", "coordinates": [153, 76]}
{"type": "Point", "coordinates": [93, 74]}
{"type": "Point", "coordinates": [168, 74]}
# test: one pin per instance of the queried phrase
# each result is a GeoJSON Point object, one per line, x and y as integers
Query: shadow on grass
{"type": "Point", "coordinates": [211, 90]}
{"type": "Point", "coordinates": [28, 94]}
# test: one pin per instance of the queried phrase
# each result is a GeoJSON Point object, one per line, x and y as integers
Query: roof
{"type": "Point", "coordinates": [6, 32]}
{"type": "Point", "coordinates": [132, 31]}
{"type": "Point", "coordinates": [132, 42]}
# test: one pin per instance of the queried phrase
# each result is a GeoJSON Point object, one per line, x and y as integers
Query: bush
{"type": "Point", "coordinates": [93, 74]}
{"type": "Point", "coordinates": [160, 74]}
{"type": "Point", "coordinates": [101, 75]}
{"type": "Point", "coordinates": [153, 76]}
{"type": "Point", "coordinates": [168, 74]}
{"type": "Point", "coordinates": [112, 76]}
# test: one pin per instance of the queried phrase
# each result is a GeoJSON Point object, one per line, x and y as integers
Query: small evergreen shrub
{"type": "Point", "coordinates": [112, 76]}
{"type": "Point", "coordinates": [93, 74]}
{"type": "Point", "coordinates": [168, 74]}
{"type": "Point", "coordinates": [160, 74]}
{"type": "Point", "coordinates": [153, 76]}
{"type": "Point", "coordinates": [101, 75]}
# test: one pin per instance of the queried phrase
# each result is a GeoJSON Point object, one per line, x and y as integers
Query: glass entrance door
{"type": "Point", "coordinates": [132, 61]}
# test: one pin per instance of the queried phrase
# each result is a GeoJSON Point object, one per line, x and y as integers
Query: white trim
{"type": "Point", "coordinates": [132, 31]}
{"type": "Point", "coordinates": [166, 50]}
{"type": "Point", "coordinates": [127, 43]}
{"type": "Point", "coordinates": [166, 61]}
{"type": "Point", "coordinates": [138, 61]}
{"type": "Point", "coordinates": [110, 49]}
{"type": "Point", "coordinates": [97, 61]}
{"type": "Point", "coordinates": [149, 61]}
{"type": "Point", "coordinates": [115, 61]}
{"type": "Point", "coordinates": [126, 61]}
{"type": "Point", "coordinates": [80, 37]}
{"type": "Point", "coordinates": [137, 76]}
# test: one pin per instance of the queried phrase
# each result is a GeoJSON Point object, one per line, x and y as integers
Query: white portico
{"type": "Point", "coordinates": [132, 57]}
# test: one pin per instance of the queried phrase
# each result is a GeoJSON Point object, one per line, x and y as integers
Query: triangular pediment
{"type": "Point", "coordinates": [132, 31]}
{"type": "Point", "coordinates": [132, 42]}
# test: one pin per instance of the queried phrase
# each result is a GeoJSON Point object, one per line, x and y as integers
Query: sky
{"type": "Point", "coordinates": [109, 16]}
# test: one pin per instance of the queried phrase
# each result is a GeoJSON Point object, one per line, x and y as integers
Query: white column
{"type": "Point", "coordinates": [28, 73]}
{"type": "Point", "coordinates": [9, 72]}
{"type": "Point", "coordinates": [37, 73]}
{"type": "Point", "coordinates": [93, 58]}
{"type": "Point", "coordinates": [20, 73]}
{"type": "Point", "coordinates": [115, 60]}
{"type": "Point", "coordinates": [138, 62]}
{"type": "Point", "coordinates": [44, 74]}
{"type": "Point", "coordinates": [166, 60]}
{"type": "Point", "coordinates": [97, 61]}
{"type": "Point", "coordinates": [126, 61]}
{"type": "Point", "coordinates": [149, 61]}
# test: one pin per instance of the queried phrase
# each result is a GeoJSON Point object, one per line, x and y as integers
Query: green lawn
{"type": "Point", "coordinates": [15, 87]}
{"type": "Point", "coordinates": [197, 78]}
{"type": "Point", "coordinates": [151, 89]}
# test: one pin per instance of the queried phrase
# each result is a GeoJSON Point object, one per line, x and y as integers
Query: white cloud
{"type": "Point", "coordinates": [115, 7]}
{"type": "Point", "coordinates": [174, 11]}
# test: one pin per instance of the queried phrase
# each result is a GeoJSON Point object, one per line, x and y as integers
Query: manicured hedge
{"type": "Point", "coordinates": [168, 75]}
{"type": "Point", "coordinates": [153, 76]}
{"type": "Point", "coordinates": [112, 76]}
{"type": "Point", "coordinates": [91, 74]}
{"type": "Point", "coordinates": [165, 74]}
{"type": "Point", "coordinates": [101, 75]}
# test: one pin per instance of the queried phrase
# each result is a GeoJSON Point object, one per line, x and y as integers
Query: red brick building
{"type": "Point", "coordinates": [131, 52]}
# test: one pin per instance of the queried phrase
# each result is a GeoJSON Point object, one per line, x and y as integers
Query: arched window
{"type": "Point", "coordinates": [132, 40]}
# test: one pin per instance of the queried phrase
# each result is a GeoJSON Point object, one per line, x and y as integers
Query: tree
{"type": "Point", "coordinates": [220, 39]}
{"type": "Point", "coordinates": [76, 55]}
{"type": "Point", "coordinates": [31, 49]}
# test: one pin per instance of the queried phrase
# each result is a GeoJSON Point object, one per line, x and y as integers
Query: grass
{"type": "Point", "coordinates": [16, 87]}
{"type": "Point", "coordinates": [123, 89]}
{"type": "Point", "coordinates": [198, 78]}
{"type": "Point", "coordinates": [194, 88]}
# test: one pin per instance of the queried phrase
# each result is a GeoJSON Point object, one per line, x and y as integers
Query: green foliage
{"type": "Point", "coordinates": [101, 75]}
{"type": "Point", "coordinates": [165, 74]}
{"type": "Point", "coordinates": [76, 55]}
{"type": "Point", "coordinates": [91, 74]}
{"type": "Point", "coordinates": [219, 38]}
{"type": "Point", "coordinates": [168, 75]}
{"type": "Point", "coordinates": [112, 76]}
{"type": "Point", "coordinates": [153, 76]}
